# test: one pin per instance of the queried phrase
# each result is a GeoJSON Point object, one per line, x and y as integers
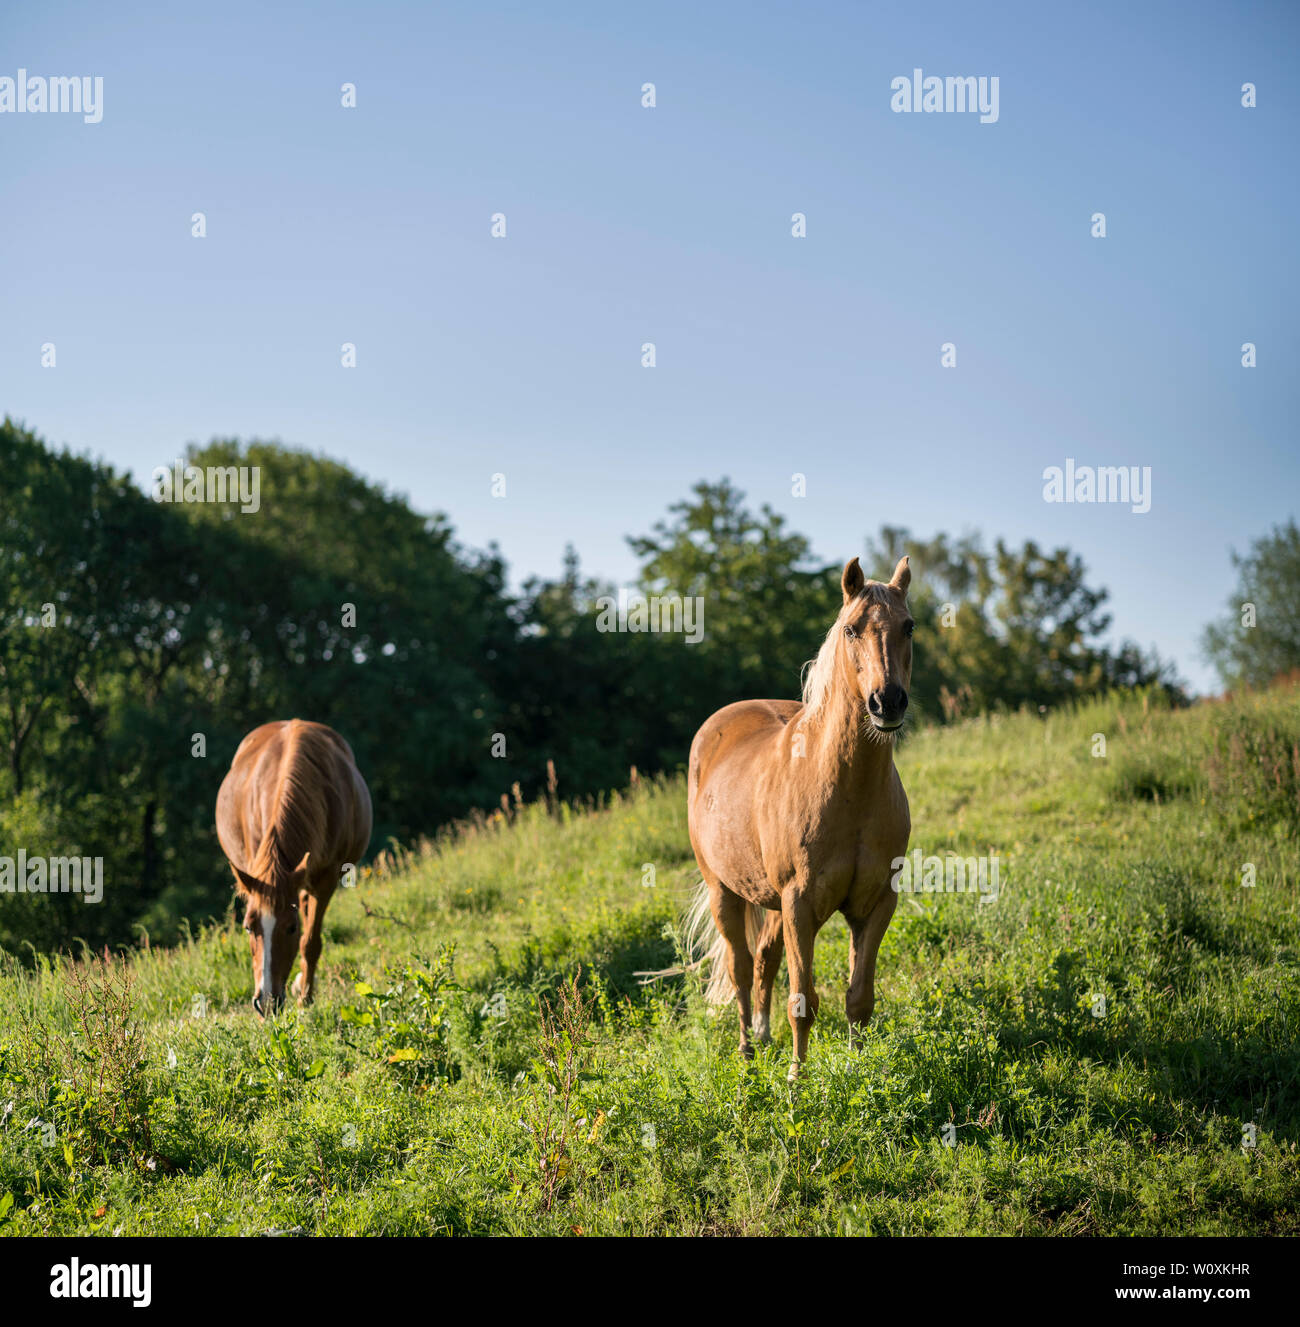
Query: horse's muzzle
{"type": "Point", "coordinates": [887, 706]}
{"type": "Point", "coordinates": [259, 1004]}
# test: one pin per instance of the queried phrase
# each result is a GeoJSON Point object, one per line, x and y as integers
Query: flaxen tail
{"type": "Point", "coordinates": [706, 949]}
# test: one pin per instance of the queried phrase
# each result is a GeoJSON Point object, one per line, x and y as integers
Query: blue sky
{"type": "Point", "coordinates": [626, 225]}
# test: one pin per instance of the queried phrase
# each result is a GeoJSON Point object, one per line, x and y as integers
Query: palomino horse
{"type": "Point", "coordinates": [292, 811]}
{"type": "Point", "coordinates": [796, 811]}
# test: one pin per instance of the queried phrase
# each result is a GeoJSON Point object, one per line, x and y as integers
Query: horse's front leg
{"type": "Point", "coordinates": [311, 908]}
{"type": "Point", "coordinates": [799, 923]}
{"type": "Point", "coordinates": [866, 934]}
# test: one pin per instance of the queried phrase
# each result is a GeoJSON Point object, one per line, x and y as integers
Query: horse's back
{"type": "Point", "coordinates": [735, 732]}
{"type": "Point", "coordinates": [318, 765]}
{"type": "Point", "coordinates": [271, 737]}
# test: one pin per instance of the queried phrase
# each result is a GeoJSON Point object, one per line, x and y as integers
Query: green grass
{"type": "Point", "coordinates": [422, 1094]}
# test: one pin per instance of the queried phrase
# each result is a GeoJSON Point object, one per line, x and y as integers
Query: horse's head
{"type": "Point", "coordinates": [274, 927]}
{"type": "Point", "coordinates": [876, 642]}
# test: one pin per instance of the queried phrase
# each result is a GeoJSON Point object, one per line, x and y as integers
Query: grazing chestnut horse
{"type": "Point", "coordinates": [292, 811]}
{"type": "Point", "coordinates": [796, 812]}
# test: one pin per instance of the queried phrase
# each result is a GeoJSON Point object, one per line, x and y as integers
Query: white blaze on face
{"type": "Point", "coordinates": [268, 930]}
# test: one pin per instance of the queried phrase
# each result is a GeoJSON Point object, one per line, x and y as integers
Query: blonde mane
{"type": "Point", "coordinates": [819, 673]}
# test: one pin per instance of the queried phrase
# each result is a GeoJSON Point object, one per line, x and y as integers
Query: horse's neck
{"type": "Point", "coordinates": [846, 750]}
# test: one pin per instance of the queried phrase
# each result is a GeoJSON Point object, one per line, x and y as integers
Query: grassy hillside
{"type": "Point", "coordinates": [426, 1092]}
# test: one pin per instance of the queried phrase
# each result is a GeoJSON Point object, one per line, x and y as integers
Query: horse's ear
{"type": "Point", "coordinates": [902, 577]}
{"type": "Point", "coordinates": [302, 865]}
{"type": "Point", "coordinates": [249, 884]}
{"type": "Point", "coordinates": [853, 580]}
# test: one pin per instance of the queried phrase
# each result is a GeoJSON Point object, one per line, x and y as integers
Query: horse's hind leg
{"type": "Point", "coordinates": [767, 963]}
{"type": "Point", "coordinates": [729, 917]}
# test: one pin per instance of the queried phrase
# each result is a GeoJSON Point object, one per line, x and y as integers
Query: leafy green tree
{"type": "Point", "coordinates": [1008, 628]}
{"type": "Point", "coordinates": [92, 619]}
{"type": "Point", "coordinates": [376, 624]}
{"type": "Point", "coordinates": [593, 702]}
{"type": "Point", "coordinates": [131, 628]}
{"type": "Point", "coordinates": [767, 601]}
{"type": "Point", "coordinates": [61, 584]}
{"type": "Point", "coordinates": [1259, 638]}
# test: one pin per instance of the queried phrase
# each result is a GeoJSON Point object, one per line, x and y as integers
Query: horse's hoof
{"type": "Point", "coordinates": [746, 1050]}
{"type": "Point", "coordinates": [793, 1075]}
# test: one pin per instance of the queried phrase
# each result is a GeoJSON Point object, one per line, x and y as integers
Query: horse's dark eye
{"type": "Point", "coordinates": [908, 628]}
{"type": "Point", "coordinates": [849, 632]}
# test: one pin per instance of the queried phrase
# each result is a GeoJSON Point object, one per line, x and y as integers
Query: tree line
{"type": "Point", "coordinates": [141, 640]}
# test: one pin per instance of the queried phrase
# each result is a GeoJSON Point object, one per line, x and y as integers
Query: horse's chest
{"type": "Point", "coordinates": [842, 865]}
{"type": "Point", "coordinates": [848, 878]}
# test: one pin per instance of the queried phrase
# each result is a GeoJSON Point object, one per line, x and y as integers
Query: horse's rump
{"type": "Point", "coordinates": [293, 788]}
